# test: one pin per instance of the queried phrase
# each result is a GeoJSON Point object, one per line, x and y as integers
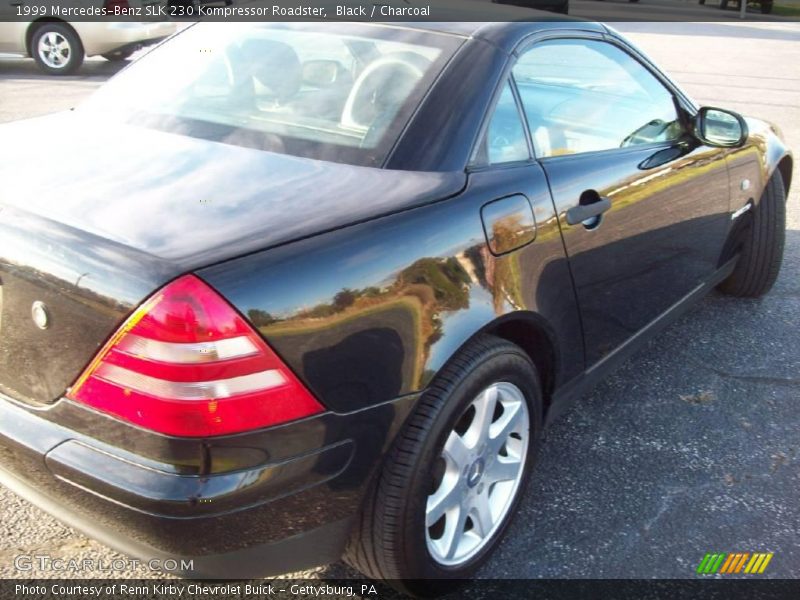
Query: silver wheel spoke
{"type": "Point", "coordinates": [484, 412]}
{"type": "Point", "coordinates": [508, 422]}
{"type": "Point", "coordinates": [482, 516]}
{"type": "Point", "coordinates": [444, 500]}
{"type": "Point", "coordinates": [453, 533]}
{"type": "Point", "coordinates": [456, 452]}
{"type": "Point", "coordinates": [503, 469]}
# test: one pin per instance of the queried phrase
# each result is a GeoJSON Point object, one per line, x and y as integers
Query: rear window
{"type": "Point", "coordinates": [340, 93]}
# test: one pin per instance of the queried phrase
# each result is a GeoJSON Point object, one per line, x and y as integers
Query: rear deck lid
{"type": "Point", "coordinates": [191, 201]}
{"type": "Point", "coordinates": [62, 293]}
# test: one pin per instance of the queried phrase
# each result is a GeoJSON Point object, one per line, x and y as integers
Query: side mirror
{"type": "Point", "coordinates": [720, 127]}
{"type": "Point", "coordinates": [321, 73]}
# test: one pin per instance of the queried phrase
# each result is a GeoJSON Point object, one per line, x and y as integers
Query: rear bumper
{"type": "Point", "coordinates": [319, 546]}
{"type": "Point", "coordinates": [255, 511]}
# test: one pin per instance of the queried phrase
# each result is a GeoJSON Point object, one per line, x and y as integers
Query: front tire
{"type": "Point", "coordinates": [57, 49]}
{"type": "Point", "coordinates": [762, 251]}
{"type": "Point", "coordinates": [455, 475]}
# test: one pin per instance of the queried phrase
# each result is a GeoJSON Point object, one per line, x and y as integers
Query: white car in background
{"type": "Point", "coordinates": [59, 45]}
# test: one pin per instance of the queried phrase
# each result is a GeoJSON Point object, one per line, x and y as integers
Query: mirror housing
{"type": "Point", "coordinates": [322, 73]}
{"type": "Point", "coordinates": [720, 127]}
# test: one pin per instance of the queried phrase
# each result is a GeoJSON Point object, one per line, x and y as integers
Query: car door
{"type": "Point", "coordinates": [12, 37]}
{"type": "Point", "coordinates": [522, 266]}
{"type": "Point", "coordinates": [643, 207]}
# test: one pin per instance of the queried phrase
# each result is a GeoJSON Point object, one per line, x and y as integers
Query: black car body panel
{"type": "Point", "coordinates": [192, 202]}
{"type": "Point", "coordinates": [365, 282]}
{"type": "Point", "coordinates": [396, 297]}
{"type": "Point", "coordinates": [111, 239]}
{"type": "Point", "coordinates": [642, 258]}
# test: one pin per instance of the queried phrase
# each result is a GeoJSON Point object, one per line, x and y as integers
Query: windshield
{"type": "Point", "coordinates": [342, 94]}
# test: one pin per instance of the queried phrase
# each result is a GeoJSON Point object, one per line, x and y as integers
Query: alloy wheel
{"type": "Point", "coordinates": [54, 50]}
{"type": "Point", "coordinates": [478, 476]}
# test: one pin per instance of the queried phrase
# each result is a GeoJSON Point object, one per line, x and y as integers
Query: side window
{"type": "Point", "coordinates": [587, 95]}
{"type": "Point", "coordinates": [505, 140]}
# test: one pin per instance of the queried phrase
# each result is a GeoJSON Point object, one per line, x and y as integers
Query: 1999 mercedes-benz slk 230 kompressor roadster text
{"type": "Point", "coordinates": [333, 280]}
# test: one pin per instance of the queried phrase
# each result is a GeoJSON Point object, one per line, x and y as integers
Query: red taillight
{"type": "Point", "coordinates": [121, 5]}
{"type": "Point", "coordinates": [186, 364]}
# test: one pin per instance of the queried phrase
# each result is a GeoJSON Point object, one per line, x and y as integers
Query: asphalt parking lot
{"type": "Point", "coordinates": [692, 447]}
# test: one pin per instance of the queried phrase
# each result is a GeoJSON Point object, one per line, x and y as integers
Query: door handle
{"type": "Point", "coordinates": [584, 212]}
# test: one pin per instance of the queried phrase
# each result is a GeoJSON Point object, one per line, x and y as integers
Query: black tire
{"type": "Point", "coordinates": [118, 56]}
{"type": "Point", "coordinates": [389, 541]}
{"type": "Point", "coordinates": [762, 249]}
{"type": "Point", "coordinates": [71, 57]}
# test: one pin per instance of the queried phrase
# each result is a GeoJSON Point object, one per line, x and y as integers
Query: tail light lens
{"type": "Point", "coordinates": [186, 364]}
{"type": "Point", "coordinates": [120, 5]}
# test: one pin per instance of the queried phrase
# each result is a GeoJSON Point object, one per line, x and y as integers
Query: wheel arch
{"type": "Point", "coordinates": [785, 167]}
{"type": "Point", "coordinates": [531, 332]}
{"type": "Point", "coordinates": [35, 25]}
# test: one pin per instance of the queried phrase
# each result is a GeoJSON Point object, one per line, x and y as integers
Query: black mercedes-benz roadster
{"type": "Point", "coordinates": [290, 293]}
